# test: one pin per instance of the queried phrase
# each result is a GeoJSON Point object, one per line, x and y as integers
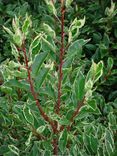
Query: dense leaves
{"type": "Point", "coordinates": [30, 70]}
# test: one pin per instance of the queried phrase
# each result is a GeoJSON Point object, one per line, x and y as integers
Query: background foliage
{"type": "Point", "coordinates": [94, 129]}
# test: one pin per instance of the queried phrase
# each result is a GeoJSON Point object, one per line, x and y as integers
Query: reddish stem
{"type": "Point", "coordinates": [36, 134]}
{"type": "Point", "coordinates": [55, 145]}
{"type": "Point", "coordinates": [61, 57]}
{"type": "Point", "coordinates": [55, 140]}
{"type": "Point", "coordinates": [107, 76]}
{"type": "Point", "coordinates": [34, 93]}
{"type": "Point", "coordinates": [76, 112]}
{"type": "Point", "coordinates": [52, 1]}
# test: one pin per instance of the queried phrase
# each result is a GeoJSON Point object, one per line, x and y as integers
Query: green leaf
{"type": "Point", "coordinates": [47, 145]}
{"type": "Point", "coordinates": [8, 31]}
{"type": "Point", "coordinates": [26, 25]}
{"type": "Point", "coordinates": [110, 63]}
{"type": "Point", "coordinates": [27, 143]}
{"type": "Point", "coordinates": [15, 83]}
{"type": "Point", "coordinates": [20, 74]}
{"type": "Point", "coordinates": [49, 91]}
{"type": "Point", "coordinates": [103, 50]}
{"type": "Point", "coordinates": [77, 23]}
{"type": "Point", "coordinates": [51, 7]}
{"type": "Point", "coordinates": [14, 51]}
{"type": "Point", "coordinates": [92, 104]}
{"type": "Point", "coordinates": [76, 48]}
{"type": "Point", "coordinates": [95, 72]}
{"type": "Point", "coordinates": [41, 129]}
{"type": "Point", "coordinates": [109, 11]}
{"type": "Point", "coordinates": [47, 46]}
{"type": "Point", "coordinates": [74, 150]}
{"type": "Point", "coordinates": [49, 30]}
{"type": "Point", "coordinates": [38, 61]}
{"type": "Point", "coordinates": [99, 71]}
{"type": "Point", "coordinates": [80, 86]}
{"type": "Point", "coordinates": [109, 137]}
{"type": "Point", "coordinates": [68, 3]}
{"type": "Point", "coordinates": [112, 119]}
{"type": "Point", "coordinates": [68, 62]}
{"type": "Point", "coordinates": [15, 24]}
{"type": "Point", "coordinates": [36, 41]}
{"type": "Point", "coordinates": [94, 143]}
{"type": "Point", "coordinates": [18, 38]}
{"type": "Point", "coordinates": [35, 46]}
{"type": "Point", "coordinates": [83, 113]}
{"type": "Point", "coordinates": [64, 121]}
{"type": "Point", "coordinates": [96, 111]}
{"type": "Point", "coordinates": [3, 149]}
{"type": "Point", "coordinates": [69, 114]}
{"type": "Point", "coordinates": [90, 47]}
{"type": "Point", "coordinates": [47, 153]}
{"type": "Point", "coordinates": [91, 72]}
{"type": "Point", "coordinates": [6, 89]}
{"type": "Point", "coordinates": [41, 77]}
{"type": "Point", "coordinates": [88, 85]}
{"type": "Point", "coordinates": [35, 149]}
{"type": "Point", "coordinates": [14, 149]}
{"type": "Point", "coordinates": [28, 115]}
{"type": "Point", "coordinates": [106, 40]}
{"type": "Point", "coordinates": [13, 65]}
{"type": "Point", "coordinates": [74, 29]}
{"type": "Point", "coordinates": [63, 141]}
{"type": "Point", "coordinates": [18, 109]}
{"type": "Point", "coordinates": [105, 151]}
{"type": "Point", "coordinates": [86, 111]}
{"type": "Point", "coordinates": [109, 148]}
{"type": "Point", "coordinates": [86, 140]}
{"type": "Point", "coordinates": [97, 37]}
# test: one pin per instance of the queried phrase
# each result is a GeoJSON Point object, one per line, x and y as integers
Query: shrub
{"type": "Point", "coordinates": [52, 103]}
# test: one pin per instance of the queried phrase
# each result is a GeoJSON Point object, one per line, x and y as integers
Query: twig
{"type": "Point", "coordinates": [107, 76]}
{"type": "Point", "coordinates": [57, 107]}
{"type": "Point", "coordinates": [44, 115]}
{"type": "Point", "coordinates": [36, 134]}
{"type": "Point", "coordinates": [76, 112]}
{"type": "Point", "coordinates": [61, 57]}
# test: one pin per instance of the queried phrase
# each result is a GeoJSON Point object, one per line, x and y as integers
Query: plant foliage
{"type": "Point", "coordinates": [57, 78]}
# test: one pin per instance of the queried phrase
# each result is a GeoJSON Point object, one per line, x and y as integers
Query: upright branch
{"type": "Point", "coordinates": [75, 113]}
{"type": "Point", "coordinates": [62, 49]}
{"type": "Point", "coordinates": [44, 115]}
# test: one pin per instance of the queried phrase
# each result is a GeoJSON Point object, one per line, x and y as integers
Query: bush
{"type": "Point", "coordinates": [55, 95]}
